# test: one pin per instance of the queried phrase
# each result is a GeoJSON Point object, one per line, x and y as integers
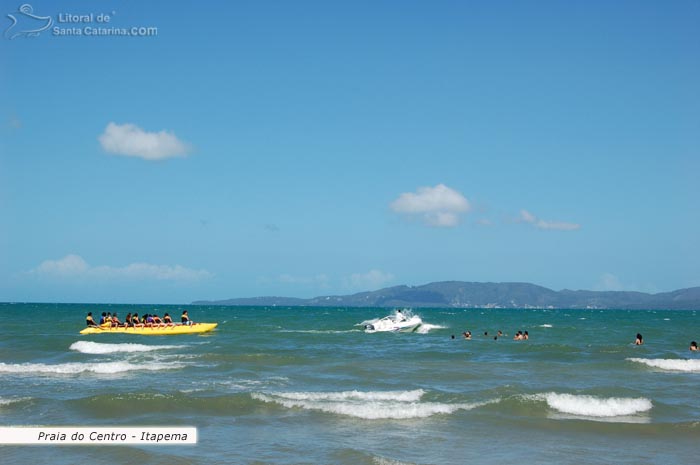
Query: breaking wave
{"type": "Point", "coordinates": [670, 364]}
{"type": "Point", "coordinates": [96, 348]}
{"type": "Point", "coordinates": [76, 368]}
{"type": "Point", "coordinates": [372, 405]}
{"type": "Point", "coordinates": [13, 401]}
{"type": "Point", "coordinates": [591, 406]}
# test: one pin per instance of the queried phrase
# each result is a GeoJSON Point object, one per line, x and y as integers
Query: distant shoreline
{"type": "Point", "coordinates": [458, 294]}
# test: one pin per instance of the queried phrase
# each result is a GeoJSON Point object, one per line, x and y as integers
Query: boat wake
{"type": "Point", "coordinates": [97, 348]}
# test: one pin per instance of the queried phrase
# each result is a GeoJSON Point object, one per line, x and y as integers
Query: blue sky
{"type": "Point", "coordinates": [312, 148]}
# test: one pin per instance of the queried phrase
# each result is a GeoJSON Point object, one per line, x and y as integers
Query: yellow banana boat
{"type": "Point", "coordinates": [151, 330]}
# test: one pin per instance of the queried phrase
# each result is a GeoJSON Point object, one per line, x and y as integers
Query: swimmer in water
{"type": "Point", "coordinates": [639, 341]}
{"type": "Point", "coordinates": [694, 346]}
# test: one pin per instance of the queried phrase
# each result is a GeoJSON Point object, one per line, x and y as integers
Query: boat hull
{"type": "Point", "coordinates": [387, 324]}
{"type": "Point", "coordinates": [153, 330]}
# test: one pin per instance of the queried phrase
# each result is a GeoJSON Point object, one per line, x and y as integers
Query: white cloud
{"type": "Point", "coordinates": [527, 217]}
{"type": "Point", "coordinates": [438, 206]}
{"type": "Point", "coordinates": [72, 266]}
{"type": "Point", "coordinates": [132, 141]}
{"type": "Point", "coordinates": [318, 280]}
{"type": "Point", "coordinates": [370, 281]}
{"type": "Point", "coordinates": [558, 225]}
{"type": "Point", "coordinates": [14, 122]}
{"type": "Point", "coordinates": [608, 282]}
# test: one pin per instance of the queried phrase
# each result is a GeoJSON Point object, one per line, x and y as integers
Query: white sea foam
{"type": "Point", "coordinates": [670, 364]}
{"type": "Point", "coordinates": [13, 401]}
{"type": "Point", "coordinates": [591, 406]}
{"type": "Point", "coordinates": [546, 325]}
{"type": "Point", "coordinates": [425, 328]}
{"type": "Point", "coordinates": [75, 368]}
{"type": "Point", "coordinates": [399, 396]}
{"type": "Point", "coordinates": [89, 347]}
{"type": "Point", "coordinates": [386, 461]}
{"type": "Point", "coordinates": [370, 405]}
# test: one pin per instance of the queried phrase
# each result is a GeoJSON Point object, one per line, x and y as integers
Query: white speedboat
{"type": "Point", "coordinates": [398, 322]}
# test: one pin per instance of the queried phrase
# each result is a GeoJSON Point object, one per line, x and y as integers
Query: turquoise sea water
{"type": "Point", "coordinates": [309, 386]}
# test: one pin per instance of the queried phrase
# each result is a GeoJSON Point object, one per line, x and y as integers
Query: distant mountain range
{"type": "Point", "coordinates": [458, 294]}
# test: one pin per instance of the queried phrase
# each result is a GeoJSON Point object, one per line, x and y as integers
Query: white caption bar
{"type": "Point", "coordinates": [66, 435]}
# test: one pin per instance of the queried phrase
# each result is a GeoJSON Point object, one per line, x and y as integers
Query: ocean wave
{"type": "Point", "coordinates": [591, 406]}
{"type": "Point", "coordinates": [76, 368]}
{"type": "Point", "coordinates": [372, 405]}
{"type": "Point", "coordinates": [670, 364]}
{"type": "Point", "coordinates": [98, 348]}
{"type": "Point", "coordinates": [545, 326]}
{"type": "Point", "coordinates": [399, 396]}
{"type": "Point", "coordinates": [13, 400]}
{"type": "Point", "coordinates": [387, 461]}
{"type": "Point", "coordinates": [244, 384]}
